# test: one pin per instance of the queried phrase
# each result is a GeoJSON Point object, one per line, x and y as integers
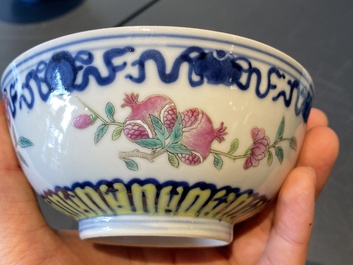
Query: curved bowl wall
{"type": "Point", "coordinates": [176, 126]}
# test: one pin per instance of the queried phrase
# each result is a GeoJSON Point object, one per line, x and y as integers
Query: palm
{"type": "Point", "coordinates": [278, 235]}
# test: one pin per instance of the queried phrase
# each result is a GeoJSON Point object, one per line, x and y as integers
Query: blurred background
{"type": "Point", "coordinates": [318, 33]}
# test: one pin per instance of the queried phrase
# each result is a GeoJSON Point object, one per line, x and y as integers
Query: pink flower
{"type": "Point", "coordinates": [259, 148]}
{"type": "Point", "coordinates": [82, 121]}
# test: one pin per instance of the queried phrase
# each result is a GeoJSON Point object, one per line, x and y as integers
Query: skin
{"type": "Point", "coordinates": [278, 235]}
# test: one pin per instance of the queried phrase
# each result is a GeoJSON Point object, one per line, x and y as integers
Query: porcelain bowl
{"type": "Point", "coordinates": [156, 136]}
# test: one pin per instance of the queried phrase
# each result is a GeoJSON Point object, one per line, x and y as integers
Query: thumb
{"type": "Point", "coordinates": [289, 238]}
{"type": "Point", "coordinates": [20, 213]}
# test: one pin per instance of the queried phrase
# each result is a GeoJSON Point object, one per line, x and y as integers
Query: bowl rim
{"type": "Point", "coordinates": [166, 31]}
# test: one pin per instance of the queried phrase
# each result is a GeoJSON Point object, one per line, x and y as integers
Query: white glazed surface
{"type": "Point", "coordinates": [63, 155]}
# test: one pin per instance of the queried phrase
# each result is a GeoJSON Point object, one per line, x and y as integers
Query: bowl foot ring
{"type": "Point", "coordinates": [156, 231]}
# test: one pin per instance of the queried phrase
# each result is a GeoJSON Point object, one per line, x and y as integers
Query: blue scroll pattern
{"type": "Point", "coordinates": [59, 75]}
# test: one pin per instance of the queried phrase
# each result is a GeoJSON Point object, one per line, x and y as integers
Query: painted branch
{"type": "Point", "coordinates": [138, 154]}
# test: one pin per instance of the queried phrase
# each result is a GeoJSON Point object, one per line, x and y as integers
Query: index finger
{"type": "Point", "coordinates": [317, 118]}
{"type": "Point", "coordinates": [320, 148]}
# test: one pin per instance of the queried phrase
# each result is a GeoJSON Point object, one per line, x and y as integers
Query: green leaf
{"type": "Point", "coordinates": [293, 143]}
{"type": "Point", "coordinates": [173, 160]}
{"type": "Point", "coordinates": [100, 132]}
{"type": "Point", "coordinates": [177, 131]}
{"type": "Point", "coordinates": [217, 162]}
{"type": "Point", "coordinates": [110, 111]}
{"type": "Point", "coordinates": [130, 164]}
{"type": "Point", "coordinates": [279, 153]}
{"type": "Point", "coordinates": [270, 158]}
{"type": "Point", "coordinates": [160, 130]}
{"type": "Point", "coordinates": [178, 149]}
{"type": "Point", "coordinates": [22, 160]}
{"type": "Point", "coordinates": [117, 132]}
{"type": "Point", "coordinates": [23, 142]}
{"type": "Point", "coordinates": [150, 143]}
{"type": "Point", "coordinates": [280, 130]}
{"type": "Point", "coordinates": [233, 146]}
{"type": "Point", "coordinates": [248, 151]}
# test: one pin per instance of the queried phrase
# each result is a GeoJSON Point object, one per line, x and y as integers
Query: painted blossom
{"type": "Point", "coordinates": [259, 149]}
{"type": "Point", "coordinates": [82, 121]}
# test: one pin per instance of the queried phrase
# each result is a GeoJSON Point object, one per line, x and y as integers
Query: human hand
{"type": "Point", "coordinates": [278, 235]}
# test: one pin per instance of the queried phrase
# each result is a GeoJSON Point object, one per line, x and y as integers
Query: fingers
{"type": "Point", "coordinates": [292, 225]}
{"type": "Point", "coordinates": [19, 209]}
{"type": "Point", "coordinates": [317, 118]}
{"type": "Point", "coordinates": [320, 148]}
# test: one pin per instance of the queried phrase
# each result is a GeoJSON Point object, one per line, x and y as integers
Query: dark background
{"type": "Point", "coordinates": [318, 33]}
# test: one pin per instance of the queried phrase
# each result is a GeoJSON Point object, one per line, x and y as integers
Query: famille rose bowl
{"type": "Point", "coordinates": [156, 136]}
